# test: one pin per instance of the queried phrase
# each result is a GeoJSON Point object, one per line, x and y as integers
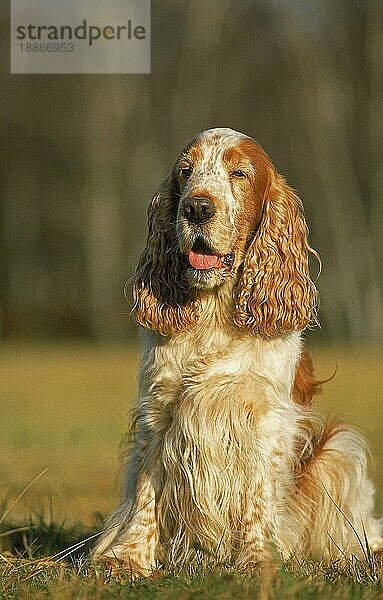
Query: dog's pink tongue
{"type": "Point", "coordinates": [204, 261]}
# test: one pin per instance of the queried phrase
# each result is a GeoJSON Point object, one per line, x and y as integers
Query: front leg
{"type": "Point", "coordinates": [130, 536]}
{"type": "Point", "coordinates": [254, 543]}
{"type": "Point", "coordinates": [267, 493]}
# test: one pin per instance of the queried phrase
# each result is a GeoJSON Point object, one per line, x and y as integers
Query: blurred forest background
{"type": "Point", "coordinates": [81, 156]}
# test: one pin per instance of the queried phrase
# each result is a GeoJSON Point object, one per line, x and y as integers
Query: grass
{"type": "Point", "coordinates": [41, 578]}
{"type": "Point", "coordinates": [63, 411]}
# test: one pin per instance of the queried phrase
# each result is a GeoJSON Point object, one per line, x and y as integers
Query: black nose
{"type": "Point", "coordinates": [198, 210]}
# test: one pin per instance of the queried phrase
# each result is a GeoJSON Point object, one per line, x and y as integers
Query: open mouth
{"type": "Point", "coordinates": [203, 258]}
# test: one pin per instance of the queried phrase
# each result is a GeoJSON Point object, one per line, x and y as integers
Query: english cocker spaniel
{"type": "Point", "coordinates": [229, 459]}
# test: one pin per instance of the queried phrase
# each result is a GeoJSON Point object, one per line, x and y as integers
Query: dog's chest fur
{"type": "Point", "coordinates": [218, 411]}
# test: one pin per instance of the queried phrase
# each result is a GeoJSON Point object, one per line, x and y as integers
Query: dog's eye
{"type": "Point", "coordinates": [186, 171]}
{"type": "Point", "coordinates": [238, 173]}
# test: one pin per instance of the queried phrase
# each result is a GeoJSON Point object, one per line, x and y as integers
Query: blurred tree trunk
{"type": "Point", "coordinates": [3, 274]}
{"type": "Point", "coordinates": [203, 42]}
{"type": "Point", "coordinates": [351, 290]}
{"type": "Point", "coordinates": [105, 110]}
{"type": "Point", "coordinates": [375, 60]}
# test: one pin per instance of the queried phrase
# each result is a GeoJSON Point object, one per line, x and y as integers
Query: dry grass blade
{"type": "Point", "coordinates": [364, 550]}
{"type": "Point", "coordinates": [68, 551]}
{"type": "Point", "coordinates": [10, 507]}
{"type": "Point", "coordinates": [14, 530]}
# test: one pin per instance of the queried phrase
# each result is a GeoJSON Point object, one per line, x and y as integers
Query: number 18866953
{"type": "Point", "coordinates": [47, 47]}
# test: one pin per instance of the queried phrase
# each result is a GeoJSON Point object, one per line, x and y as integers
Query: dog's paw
{"type": "Point", "coordinates": [126, 568]}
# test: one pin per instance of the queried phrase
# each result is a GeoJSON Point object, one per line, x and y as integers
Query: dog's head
{"type": "Point", "coordinates": [225, 217]}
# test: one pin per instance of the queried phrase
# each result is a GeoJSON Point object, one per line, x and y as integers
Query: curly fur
{"type": "Point", "coordinates": [275, 293]}
{"type": "Point", "coordinates": [163, 299]}
{"type": "Point", "coordinates": [229, 458]}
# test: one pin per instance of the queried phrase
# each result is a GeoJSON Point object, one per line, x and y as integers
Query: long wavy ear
{"type": "Point", "coordinates": [163, 300]}
{"type": "Point", "coordinates": [275, 293]}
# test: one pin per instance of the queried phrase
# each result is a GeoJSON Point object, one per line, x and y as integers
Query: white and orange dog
{"type": "Point", "coordinates": [229, 459]}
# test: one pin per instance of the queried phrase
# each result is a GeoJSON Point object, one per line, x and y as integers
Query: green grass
{"type": "Point", "coordinates": [26, 578]}
{"type": "Point", "coordinates": [64, 409]}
